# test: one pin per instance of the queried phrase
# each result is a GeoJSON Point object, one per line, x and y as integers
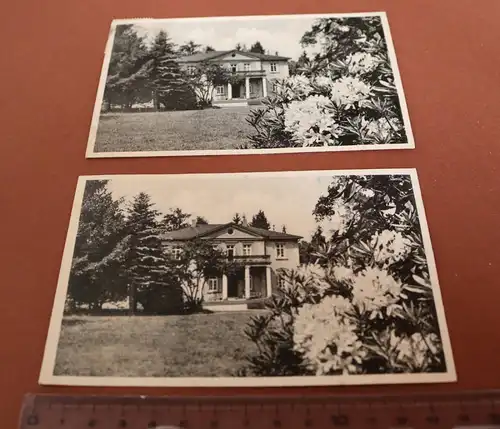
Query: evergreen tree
{"type": "Point", "coordinates": [162, 47]}
{"type": "Point", "coordinates": [236, 219]}
{"type": "Point", "coordinates": [260, 221]}
{"type": "Point", "coordinates": [128, 71]}
{"type": "Point", "coordinates": [257, 48]}
{"type": "Point", "coordinates": [238, 47]}
{"type": "Point", "coordinates": [318, 239]}
{"type": "Point", "coordinates": [151, 280]}
{"type": "Point", "coordinates": [208, 48]}
{"type": "Point", "coordinates": [174, 92]}
{"type": "Point", "coordinates": [176, 219]}
{"type": "Point", "coordinates": [200, 220]}
{"type": "Point", "coordinates": [189, 48]}
{"type": "Point", "coordinates": [283, 229]}
{"type": "Point", "coordinates": [97, 272]}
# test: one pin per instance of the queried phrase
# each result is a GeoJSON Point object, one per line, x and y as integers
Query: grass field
{"type": "Point", "coordinates": [208, 129]}
{"type": "Point", "coordinates": [197, 345]}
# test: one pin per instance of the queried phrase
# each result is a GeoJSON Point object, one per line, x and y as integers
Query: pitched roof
{"type": "Point", "coordinates": [205, 56]}
{"type": "Point", "coordinates": [191, 232]}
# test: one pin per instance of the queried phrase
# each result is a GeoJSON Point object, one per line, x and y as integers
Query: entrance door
{"type": "Point", "coordinates": [237, 90]}
{"type": "Point", "coordinates": [232, 286]}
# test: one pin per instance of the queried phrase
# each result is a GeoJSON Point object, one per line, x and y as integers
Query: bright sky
{"type": "Point", "coordinates": [280, 34]}
{"type": "Point", "coordinates": [285, 200]}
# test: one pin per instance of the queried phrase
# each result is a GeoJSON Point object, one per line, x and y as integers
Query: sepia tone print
{"type": "Point", "coordinates": [249, 85]}
{"type": "Point", "coordinates": [248, 279]}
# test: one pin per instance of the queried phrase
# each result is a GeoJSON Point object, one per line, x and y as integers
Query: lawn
{"type": "Point", "coordinates": [209, 129]}
{"type": "Point", "coordinates": [200, 345]}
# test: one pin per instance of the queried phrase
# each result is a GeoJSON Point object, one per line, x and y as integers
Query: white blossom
{"type": "Point", "coordinates": [349, 90]}
{"type": "Point", "coordinates": [361, 63]}
{"type": "Point", "coordinates": [295, 87]}
{"type": "Point", "coordinates": [311, 121]}
{"type": "Point", "coordinates": [374, 290]}
{"type": "Point", "coordinates": [381, 129]}
{"type": "Point", "coordinates": [390, 247]}
{"type": "Point", "coordinates": [327, 338]}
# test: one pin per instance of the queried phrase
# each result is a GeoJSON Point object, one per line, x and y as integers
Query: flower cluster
{"type": "Point", "coordinates": [390, 247]}
{"type": "Point", "coordinates": [381, 129]}
{"type": "Point", "coordinates": [362, 63]}
{"type": "Point", "coordinates": [374, 290]}
{"type": "Point", "coordinates": [311, 121]}
{"type": "Point", "coordinates": [349, 90]}
{"type": "Point", "coordinates": [327, 337]}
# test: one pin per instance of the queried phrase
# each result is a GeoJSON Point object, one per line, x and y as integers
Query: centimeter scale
{"type": "Point", "coordinates": [472, 410]}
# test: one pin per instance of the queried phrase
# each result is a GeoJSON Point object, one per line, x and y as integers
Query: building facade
{"type": "Point", "coordinates": [257, 255]}
{"type": "Point", "coordinates": [256, 72]}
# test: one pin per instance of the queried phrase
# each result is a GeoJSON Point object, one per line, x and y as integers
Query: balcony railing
{"type": "Point", "coordinates": [249, 73]}
{"type": "Point", "coordinates": [251, 259]}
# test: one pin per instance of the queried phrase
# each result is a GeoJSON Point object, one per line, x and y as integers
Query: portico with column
{"type": "Point", "coordinates": [251, 281]}
{"type": "Point", "coordinates": [247, 94]}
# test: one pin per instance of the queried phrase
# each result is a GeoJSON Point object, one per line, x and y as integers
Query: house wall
{"type": "Point", "coordinates": [257, 247]}
{"type": "Point", "coordinates": [281, 72]}
{"type": "Point", "coordinates": [291, 259]}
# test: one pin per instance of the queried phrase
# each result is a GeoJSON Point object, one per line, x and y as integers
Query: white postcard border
{"type": "Point", "coordinates": [90, 150]}
{"type": "Point", "coordinates": [47, 376]}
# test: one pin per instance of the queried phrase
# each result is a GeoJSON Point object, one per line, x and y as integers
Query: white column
{"type": "Point", "coordinates": [247, 281]}
{"type": "Point", "coordinates": [229, 91]}
{"type": "Point", "coordinates": [264, 86]}
{"type": "Point", "coordinates": [224, 286]}
{"type": "Point", "coordinates": [247, 87]}
{"type": "Point", "coordinates": [269, 286]}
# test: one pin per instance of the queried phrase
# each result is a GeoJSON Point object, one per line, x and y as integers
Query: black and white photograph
{"type": "Point", "coordinates": [243, 85]}
{"type": "Point", "coordinates": [248, 279]}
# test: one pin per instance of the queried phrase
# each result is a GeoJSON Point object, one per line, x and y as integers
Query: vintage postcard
{"type": "Point", "coordinates": [243, 85]}
{"type": "Point", "coordinates": [249, 279]}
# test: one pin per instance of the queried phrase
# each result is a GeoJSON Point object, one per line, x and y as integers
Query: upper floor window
{"type": "Point", "coordinates": [213, 285]}
{"type": "Point", "coordinates": [177, 252]}
{"type": "Point", "coordinates": [191, 69]}
{"type": "Point", "coordinates": [234, 67]}
{"type": "Point", "coordinates": [280, 250]}
{"type": "Point", "coordinates": [220, 90]}
{"type": "Point", "coordinates": [247, 66]}
{"type": "Point", "coordinates": [247, 249]}
{"type": "Point", "coordinates": [230, 250]}
{"type": "Point", "coordinates": [274, 67]}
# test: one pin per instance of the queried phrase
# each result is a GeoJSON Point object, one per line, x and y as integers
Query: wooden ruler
{"type": "Point", "coordinates": [471, 410]}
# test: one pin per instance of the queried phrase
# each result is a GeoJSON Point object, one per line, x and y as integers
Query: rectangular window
{"type": "Point", "coordinates": [281, 283]}
{"type": "Point", "coordinates": [280, 250]}
{"type": "Point", "coordinates": [177, 252]}
{"type": "Point", "coordinates": [274, 67]}
{"type": "Point", "coordinates": [213, 285]}
{"type": "Point", "coordinates": [234, 67]}
{"type": "Point", "coordinates": [247, 66]}
{"type": "Point", "coordinates": [247, 249]}
{"type": "Point", "coordinates": [191, 69]}
{"type": "Point", "coordinates": [220, 90]}
{"type": "Point", "coordinates": [230, 250]}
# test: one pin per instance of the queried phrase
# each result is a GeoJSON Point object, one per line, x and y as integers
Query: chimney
{"type": "Point", "coordinates": [277, 53]}
{"type": "Point", "coordinates": [244, 221]}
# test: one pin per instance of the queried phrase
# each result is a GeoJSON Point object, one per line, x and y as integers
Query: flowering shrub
{"type": "Point", "coordinates": [345, 95]}
{"type": "Point", "coordinates": [367, 306]}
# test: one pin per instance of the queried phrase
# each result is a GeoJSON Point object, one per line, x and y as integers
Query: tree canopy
{"type": "Point", "coordinates": [257, 48]}
{"type": "Point", "coordinates": [259, 220]}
